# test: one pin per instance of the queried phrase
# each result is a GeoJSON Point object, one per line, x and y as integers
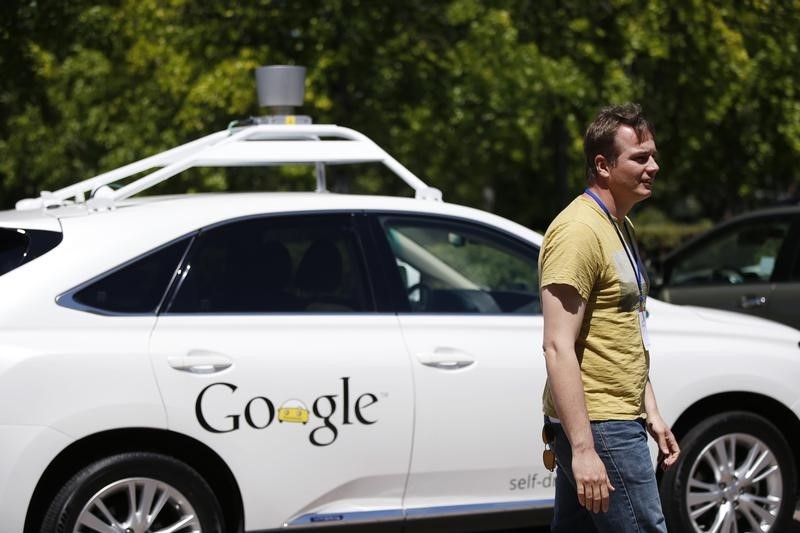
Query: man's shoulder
{"type": "Point", "coordinates": [578, 217]}
{"type": "Point", "coordinates": [571, 253]}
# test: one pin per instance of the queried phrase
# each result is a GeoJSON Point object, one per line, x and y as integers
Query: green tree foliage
{"type": "Point", "coordinates": [485, 100]}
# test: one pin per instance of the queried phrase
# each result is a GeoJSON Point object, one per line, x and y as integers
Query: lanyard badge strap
{"type": "Point", "coordinates": [633, 257]}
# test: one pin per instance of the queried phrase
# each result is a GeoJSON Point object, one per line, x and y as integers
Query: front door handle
{"type": "Point", "coordinates": [200, 362]}
{"type": "Point", "coordinates": [750, 301]}
{"type": "Point", "coordinates": [446, 358]}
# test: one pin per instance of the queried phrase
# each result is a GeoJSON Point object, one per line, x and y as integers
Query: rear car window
{"type": "Point", "coordinates": [134, 288]}
{"type": "Point", "coordinates": [292, 264]}
{"type": "Point", "coordinates": [19, 246]}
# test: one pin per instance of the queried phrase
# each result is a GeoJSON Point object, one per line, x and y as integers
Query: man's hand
{"type": "Point", "coordinates": [591, 480]}
{"type": "Point", "coordinates": [668, 449]}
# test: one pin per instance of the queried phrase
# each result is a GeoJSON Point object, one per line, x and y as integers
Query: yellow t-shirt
{"type": "Point", "coordinates": [582, 249]}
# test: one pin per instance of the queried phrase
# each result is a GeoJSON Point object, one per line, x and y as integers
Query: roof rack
{"type": "Point", "coordinates": [256, 145]}
{"type": "Point", "coordinates": [279, 139]}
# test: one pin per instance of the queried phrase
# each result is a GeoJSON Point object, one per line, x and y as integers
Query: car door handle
{"type": "Point", "coordinates": [446, 358]}
{"type": "Point", "coordinates": [750, 301]}
{"type": "Point", "coordinates": [200, 362]}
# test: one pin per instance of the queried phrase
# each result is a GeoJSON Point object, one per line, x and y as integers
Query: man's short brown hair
{"type": "Point", "coordinates": [600, 134]}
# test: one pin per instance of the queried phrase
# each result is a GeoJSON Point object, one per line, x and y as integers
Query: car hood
{"type": "Point", "coordinates": [702, 320]}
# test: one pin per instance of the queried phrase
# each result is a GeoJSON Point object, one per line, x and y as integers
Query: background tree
{"type": "Point", "coordinates": [487, 101]}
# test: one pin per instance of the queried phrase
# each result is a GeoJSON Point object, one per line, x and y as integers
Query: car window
{"type": "Point", "coordinates": [275, 264]}
{"type": "Point", "coordinates": [456, 267]}
{"type": "Point", "coordinates": [137, 287]}
{"type": "Point", "coordinates": [13, 246]}
{"type": "Point", "coordinates": [18, 246]}
{"type": "Point", "coordinates": [745, 253]}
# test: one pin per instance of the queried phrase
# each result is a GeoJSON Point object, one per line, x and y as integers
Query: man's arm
{"type": "Point", "coordinates": [563, 310]}
{"type": "Point", "coordinates": [668, 449]}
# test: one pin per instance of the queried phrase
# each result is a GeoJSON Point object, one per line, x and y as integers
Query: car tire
{"type": "Point", "coordinates": [729, 465]}
{"type": "Point", "coordinates": [101, 493]}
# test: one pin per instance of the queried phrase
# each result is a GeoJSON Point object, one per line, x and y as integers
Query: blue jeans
{"type": "Point", "coordinates": [634, 506]}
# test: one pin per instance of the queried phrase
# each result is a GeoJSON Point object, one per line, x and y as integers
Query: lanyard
{"type": "Point", "coordinates": [632, 255]}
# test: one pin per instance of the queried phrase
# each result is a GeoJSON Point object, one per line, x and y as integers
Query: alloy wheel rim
{"type": "Point", "coordinates": [735, 485]}
{"type": "Point", "coordinates": [138, 505]}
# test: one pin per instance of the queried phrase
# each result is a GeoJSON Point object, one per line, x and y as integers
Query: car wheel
{"type": "Point", "coordinates": [736, 472]}
{"type": "Point", "coordinates": [135, 492]}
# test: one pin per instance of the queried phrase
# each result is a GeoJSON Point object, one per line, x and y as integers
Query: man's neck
{"type": "Point", "coordinates": [618, 210]}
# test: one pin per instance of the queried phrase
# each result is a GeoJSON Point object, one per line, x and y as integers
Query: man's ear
{"type": "Point", "coordinates": [602, 167]}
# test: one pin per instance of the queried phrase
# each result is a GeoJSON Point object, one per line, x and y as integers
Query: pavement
{"type": "Point", "coordinates": [545, 529]}
{"type": "Point", "coordinates": [794, 529]}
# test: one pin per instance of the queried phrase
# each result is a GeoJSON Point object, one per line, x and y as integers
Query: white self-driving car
{"type": "Point", "coordinates": [264, 361]}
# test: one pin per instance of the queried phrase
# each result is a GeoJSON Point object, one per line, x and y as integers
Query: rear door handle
{"type": "Point", "coordinates": [446, 358]}
{"type": "Point", "coordinates": [200, 362]}
{"type": "Point", "coordinates": [750, 301]}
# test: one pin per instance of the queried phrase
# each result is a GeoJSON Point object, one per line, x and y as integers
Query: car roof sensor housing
{"type": "Point", "coordinates": [281, 88]}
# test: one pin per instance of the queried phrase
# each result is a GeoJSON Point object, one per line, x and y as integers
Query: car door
{"type": "Point", "coordinates": [470, 316]}
{"type": "Point", "coordinates": [737, 268]}
{"type": "Point", "coordinates": [271, 353]}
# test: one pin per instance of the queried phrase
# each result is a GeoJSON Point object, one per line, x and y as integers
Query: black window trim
{"type": "Point", "coordinates": [791, 265]}
{"type": "Point", "coordinates": [391, 297]}
{"type": "Point", "coordinates": [178, 276]}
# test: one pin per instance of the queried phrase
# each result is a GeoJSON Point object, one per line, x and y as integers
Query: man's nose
{"type": "Point", "coordinates": [652, 166]}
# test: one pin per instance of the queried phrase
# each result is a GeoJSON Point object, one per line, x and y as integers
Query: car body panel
{"type": "Point", "coordinates": [352, 374]}
{"type": "Point", "coordinates": [784, 304]}
{"type": "Point", "coordinates": [62, 383]}
{"type": "Point", "coordinates": [25, 452]}
{"type": "Point", "coordinates": [698, 352]}
{"type": "Point", "coordinates": [486, 409]}
{"type": "Point", "coordinates": [731, 297]}
{"type": "Point", "coordinates": [29, 220]}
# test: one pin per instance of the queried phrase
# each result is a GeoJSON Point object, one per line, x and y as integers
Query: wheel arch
{"type": "Point", "coordinates": [96, 446]}
{"type": "Point", "coordinates": [774, 411]}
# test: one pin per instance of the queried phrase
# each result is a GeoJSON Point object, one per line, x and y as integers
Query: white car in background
{"type": "Point", "coordinates": [260, 361]}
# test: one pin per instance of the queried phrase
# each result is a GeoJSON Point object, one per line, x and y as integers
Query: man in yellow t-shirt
{"type": "Point", "coordinates": [598, 400]}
